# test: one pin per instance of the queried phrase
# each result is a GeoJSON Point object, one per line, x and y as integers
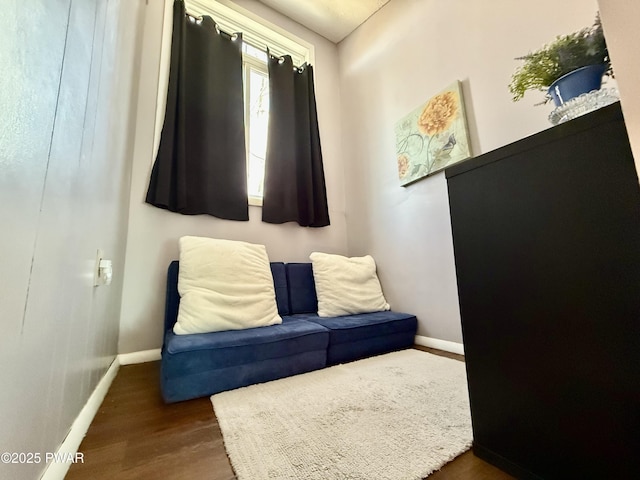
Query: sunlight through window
{"type": "Point", "coordinates": [257, 119]}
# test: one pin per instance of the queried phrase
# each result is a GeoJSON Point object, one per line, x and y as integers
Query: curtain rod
{"type": "Point", "coordinates": [198, 18]}
{"type": "Point", "coordinates": [195, 17]}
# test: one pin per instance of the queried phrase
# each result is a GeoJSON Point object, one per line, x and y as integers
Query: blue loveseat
{"type": "Point", "coordinates": [203, 364]}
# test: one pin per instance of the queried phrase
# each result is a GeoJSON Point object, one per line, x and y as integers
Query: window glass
{"type": "Point", "coordinates": [257, 93]}
{"type": "Point", "coordinates": [254, 52]}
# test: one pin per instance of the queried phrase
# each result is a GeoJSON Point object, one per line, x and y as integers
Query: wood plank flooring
{"type": "Point", "coordinates": [136, 436]}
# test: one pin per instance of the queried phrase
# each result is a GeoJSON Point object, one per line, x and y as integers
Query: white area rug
{"type": "Point", "coordinates": [396, 416]}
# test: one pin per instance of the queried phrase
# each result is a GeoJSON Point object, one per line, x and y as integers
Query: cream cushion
{"type": "Point", "coordinates": [346, 286]}
{"type": "Point", "coordinates": [224, 285]}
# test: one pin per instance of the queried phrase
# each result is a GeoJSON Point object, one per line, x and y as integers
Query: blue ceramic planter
{"type": "Point", "coordinates": [573, 84]}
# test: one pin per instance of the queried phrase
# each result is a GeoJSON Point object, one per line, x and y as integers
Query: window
{"type": "Point", "coordinates": [257, 35]}
{"type": "Point", "coordinates": [256, 102]}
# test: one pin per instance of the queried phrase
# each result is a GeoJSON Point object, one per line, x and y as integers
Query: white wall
{"type": "Point", "coordinates": [153, 233]}
{"type": "Point", "coordinates": [620, 19]}
{"type": "Point", "coordinates": [401, 56]}
{"type": "Point", "coordinates": [66, 89]}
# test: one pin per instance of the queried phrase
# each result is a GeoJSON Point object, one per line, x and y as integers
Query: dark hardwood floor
{"type": "Point", "coordinates": [135, 435]}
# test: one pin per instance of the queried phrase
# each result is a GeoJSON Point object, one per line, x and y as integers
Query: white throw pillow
{"type": "Point", "coordinates": [346, 286]}
{"type": "Point", "coordinates": [224, 285]}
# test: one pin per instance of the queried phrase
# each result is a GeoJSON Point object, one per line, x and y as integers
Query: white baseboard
{"type": "Point", "coordinates": [70, 445]}
{"type": "Point", "coordinates": [445, 345]}
{"type": "Point", "coordinates": [139, 357]}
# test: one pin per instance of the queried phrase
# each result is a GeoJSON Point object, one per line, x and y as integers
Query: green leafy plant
{"type": "Point", "coordinates": [565, 54]}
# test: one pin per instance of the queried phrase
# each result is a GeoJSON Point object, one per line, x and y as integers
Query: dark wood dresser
{"type": "Point", "coordinates": [547, 247]}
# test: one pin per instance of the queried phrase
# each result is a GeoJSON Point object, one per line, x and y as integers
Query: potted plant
{"type": "Point", "coordinates": [567, 67]}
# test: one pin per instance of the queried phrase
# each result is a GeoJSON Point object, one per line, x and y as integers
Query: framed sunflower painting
{"type": "Point", "coordinates": [433, 136]}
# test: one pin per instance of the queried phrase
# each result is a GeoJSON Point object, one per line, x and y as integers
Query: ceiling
{"type": "Point", "coordinates": [333, 19]}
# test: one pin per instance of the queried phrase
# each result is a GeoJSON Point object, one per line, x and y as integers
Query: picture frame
{"type": "Point", "coordinates": [433, 136]}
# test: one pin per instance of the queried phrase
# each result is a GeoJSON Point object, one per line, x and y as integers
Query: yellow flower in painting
{"type": "Point", "coordinates": [438, 114]}
{"type": "Point", "coordinates": [403, 165]}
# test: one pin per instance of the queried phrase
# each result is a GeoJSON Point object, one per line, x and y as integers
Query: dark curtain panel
{"type": "Point", "coordinates": [294, 186]}
{"type": "Point", "coordinates": [201, 162]}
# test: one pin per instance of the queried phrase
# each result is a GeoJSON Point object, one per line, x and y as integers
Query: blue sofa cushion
{"type": "Point", "coordinates": [302, 288]}
{"type": "Point", "coordinates": [279, 273]}
{"type": "Point", "coordinates": [358, 336]}
{"type": "Point", "coordinates": [352, 328]}
{"type": "Point", "coordinates": [204, 381]}
{"type": "Point", "coordinates": [215, 350]}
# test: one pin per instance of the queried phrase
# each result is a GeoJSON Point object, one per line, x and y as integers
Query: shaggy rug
{"type": "Point", "coordinates": [402, 415]}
